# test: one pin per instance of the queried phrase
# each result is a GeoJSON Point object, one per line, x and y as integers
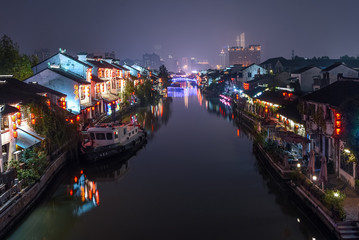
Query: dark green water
{"type": "Point", "coordinates": [196, 178]}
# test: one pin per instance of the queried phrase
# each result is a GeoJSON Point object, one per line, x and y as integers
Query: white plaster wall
{"type": "Point", "coordinates": [346, 71]}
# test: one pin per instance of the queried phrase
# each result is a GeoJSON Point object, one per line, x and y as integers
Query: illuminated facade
{"type": "Point", "coordinates": [244, 55]}
{"type": "Point", "coordinates": [323, 115]}
{"type": "Point", "coordinates": [17, 120]}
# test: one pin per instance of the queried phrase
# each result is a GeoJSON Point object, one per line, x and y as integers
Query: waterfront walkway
{"type": "Point", "coordinates": [351, 202]}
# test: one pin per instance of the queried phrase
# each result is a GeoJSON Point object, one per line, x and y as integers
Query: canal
{"type": "Point", "coordinates": [196, 178]}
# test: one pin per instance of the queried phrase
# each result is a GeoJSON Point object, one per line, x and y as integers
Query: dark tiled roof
{"type": "Point", "coordinates": [42, 89]}
{"type": "Point", "coordinates": [120, 67]}
{"type": "Point", "coordinates": [9, 110]}
{"type": "Point", "coordinates": [293, 64]}
{"type": "Point", "coordinates": [97, 80]}
{"type": "Point", "coordinates": [335, 94]}
{"type": "Point", "coordinates": [290, 111]}
{"type": "Point", "coordinates": [69, 75]}
{"type": "Point", "coordinates": [101, 64]}
{"type": "Point", "coordinates": [13, 91]}
{"type": "Point", "coordinates": [67, 55]}
{"type": "Point", "coordinates": [275, 97]}
{"type": "Point", "coordinates": [302, 70]}
{"type": "Point", "coordinates": [251, 93]}
{"type": "Point", "coordinates": [248, 66]}
{"type": "Point", "coordinates": [331, 67]}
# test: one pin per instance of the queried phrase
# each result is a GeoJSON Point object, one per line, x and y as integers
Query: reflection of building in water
{"type": "Point", "coordinates": [112, 170]}
{"type": "Point", "coordinates": [220, 106]}
{"type": "Point", "coordinates": [199, 97]}
{"type": "Point", "coordinates": [152, 117]}
{"type": "Point", "coordinates": [86, 192]}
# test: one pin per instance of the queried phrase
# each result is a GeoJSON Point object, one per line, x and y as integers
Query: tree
{"type": "Point", "coordinates": [164, 75]}
{"type": "Point", "coordinates": [12, 62]}
{"type": "Point", "coordinates": [346, 57]}
{"type": "Point", "coordinates": [128, 92]}
{"type": "Point", "coordinates": [145, 92]}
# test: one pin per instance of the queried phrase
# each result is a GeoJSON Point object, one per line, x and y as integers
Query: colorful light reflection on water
{"type": "Point", "coordinates": [86, 191]}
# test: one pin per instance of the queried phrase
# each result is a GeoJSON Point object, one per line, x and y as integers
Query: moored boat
{"type": "Point", "coordinates": [106, 140]}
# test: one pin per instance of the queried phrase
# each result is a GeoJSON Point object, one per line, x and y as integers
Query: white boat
{"type": "Point", "coordinates": [105, 140]}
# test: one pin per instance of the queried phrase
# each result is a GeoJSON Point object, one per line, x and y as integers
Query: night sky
{"type": "Point", "coordinates": [192, 28]}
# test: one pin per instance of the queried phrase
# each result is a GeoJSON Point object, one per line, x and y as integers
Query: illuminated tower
{"type": "Point", "coordinates": [223, 58]}
{"type": "Point", "coordinates": [243, 40]}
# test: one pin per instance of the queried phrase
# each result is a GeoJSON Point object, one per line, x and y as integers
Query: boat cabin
{"type": "Point", "coordinates": [107, 135]}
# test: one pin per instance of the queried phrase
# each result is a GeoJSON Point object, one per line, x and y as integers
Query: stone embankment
{"type": "Point", "coordinates": [23, 200]}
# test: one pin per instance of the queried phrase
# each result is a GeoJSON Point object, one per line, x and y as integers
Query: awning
{"type": "Point", "coordinates": [26, 140]}
{"type": "Point", "coordinates": [291, 137]}
{"type": "Point", "coordinates": [110, 97]}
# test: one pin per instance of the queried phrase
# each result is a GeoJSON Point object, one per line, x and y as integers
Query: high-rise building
{"type": "Point", "coordinates": [244, 55]}
{"type": "Point", "coordinates": [223, 59]}
{"type": "Point", "coordinates": [151, 61]}
{"type": "Point", "coordinates": [172, 64]}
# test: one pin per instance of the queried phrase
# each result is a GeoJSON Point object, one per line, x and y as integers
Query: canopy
{"type": "Point", "coordinates": [26, 140]}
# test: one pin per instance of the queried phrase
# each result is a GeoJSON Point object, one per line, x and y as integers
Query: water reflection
{"type": "Point", "coordinates": [152, 117]}
{"type": "Point", "coordinates": [181, 187]}
{"type": "Point", "coordinates": [86, 191]}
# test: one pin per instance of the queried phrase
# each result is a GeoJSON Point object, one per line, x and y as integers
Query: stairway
{"type": "Point", "coordinates": [348, 230]}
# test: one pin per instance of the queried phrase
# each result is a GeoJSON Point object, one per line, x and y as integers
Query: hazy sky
{"type": "Point", "coordinates": [195, 28]}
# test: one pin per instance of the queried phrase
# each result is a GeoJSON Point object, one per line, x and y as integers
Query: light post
{"type": "Point", "coordinates": [2, 107]}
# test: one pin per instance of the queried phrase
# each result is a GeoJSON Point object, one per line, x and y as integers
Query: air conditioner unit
{"type": "Point", "coordinates": [17, 155]}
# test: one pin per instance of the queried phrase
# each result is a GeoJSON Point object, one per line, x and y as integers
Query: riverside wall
{"type": "Point", "coordinates": [14, 209]}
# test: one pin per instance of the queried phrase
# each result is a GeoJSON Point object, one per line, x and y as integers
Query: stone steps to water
{"type": "Point", "coordinates": [348, 230]}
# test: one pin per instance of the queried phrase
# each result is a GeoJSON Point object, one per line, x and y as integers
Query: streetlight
{"type": "Point", "coordinates": [314, 178]}
{"type": "Point", "coordinates": [2, 107]}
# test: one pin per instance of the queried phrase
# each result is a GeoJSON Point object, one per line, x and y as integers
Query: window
{"type": "Point", "coordinates": [124, 131]}
{"type": "Point", "coordinates": [92, 135]}
{"type": "Point", "coordinates": [116, 134]}
{"type": "Point", "coordinates": [100, 136]}
{"type": "Point", "coordinates": [109, 136]}
{"type": "Point", "coordinates": [249, 74]}
{"type": "Point", "coordinates": [82, 92]}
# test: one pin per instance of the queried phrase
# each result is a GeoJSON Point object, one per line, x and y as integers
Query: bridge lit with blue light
{"type": "Point", "coordinates": [183, 79]}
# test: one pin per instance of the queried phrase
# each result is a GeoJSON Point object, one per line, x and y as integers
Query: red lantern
{"type": "Point", "coordinates": [338, 131]}
{"type": "Point", "coordinates": [19, 122]}
{"type": "Point", "coordinates": [33, 121]}
{"type": "Point", "coordinates": [14, 126]}
{"type": "Point", "coordinates": [93, 108]}
{"type": "Point", "coordinates": [32, 116]}
{"type": "Point", "coordinates": [78, 118]}
{"type": "Point", "coordinates": [15, 134]}
{"type": "Point", "coordinates": [13, 118]}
